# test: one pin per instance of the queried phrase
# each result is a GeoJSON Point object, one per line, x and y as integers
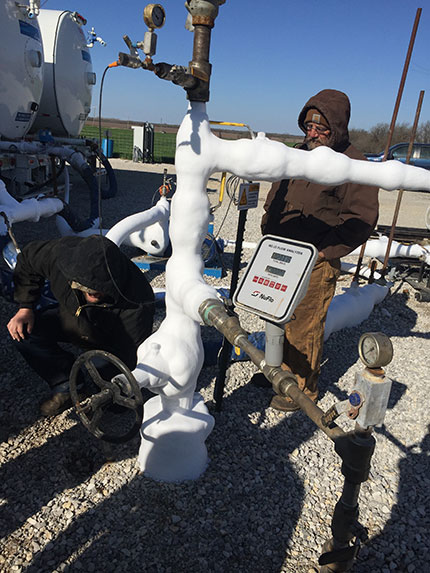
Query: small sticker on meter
{"type": "Point", "coordinates": [276, 278]}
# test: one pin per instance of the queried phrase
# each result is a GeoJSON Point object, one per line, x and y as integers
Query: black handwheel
{"type": "Point", "coordinates": [125, 393]}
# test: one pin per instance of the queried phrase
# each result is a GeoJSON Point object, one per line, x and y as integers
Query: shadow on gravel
{"type": "Point", "coordinates": [401, 544]}
{"type": "Point", "coordinates": [392, 317]}
{"type": "Point", "coordinates": [243, 523]}
{"type": "Point", "coordinates": [32, 480]}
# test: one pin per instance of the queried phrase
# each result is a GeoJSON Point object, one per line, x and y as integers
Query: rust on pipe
{"type": "Point", "coordinates": [400, 195]}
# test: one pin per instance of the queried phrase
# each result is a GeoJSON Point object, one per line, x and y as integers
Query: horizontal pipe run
{"type": "Point", "coordinates": [284, 382]}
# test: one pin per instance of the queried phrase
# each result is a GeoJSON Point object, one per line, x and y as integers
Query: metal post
{"type": "Point", "coordinates": [394, 117]}
{"type": "Point", "coordinates": [400, 195]}
{"type": "Point", "coordinates": [402, 82]}
{"type": "Point", "coordinates": [226, 348]}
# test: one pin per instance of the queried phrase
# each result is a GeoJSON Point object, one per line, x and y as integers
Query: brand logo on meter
{"type": "Point", "coordinates": [266, 297]}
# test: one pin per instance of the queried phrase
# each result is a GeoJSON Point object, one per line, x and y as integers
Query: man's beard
{"type": "Point", "coordinates": [313, 143]}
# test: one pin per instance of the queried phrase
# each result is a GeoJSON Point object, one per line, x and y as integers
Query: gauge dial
{"type": "Point", "coordinates": [154, 16]}
{"type": "Point", "coordinates": [375, 349]}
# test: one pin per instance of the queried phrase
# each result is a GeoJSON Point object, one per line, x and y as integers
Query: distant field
{"type": "Point", "coordinates": [164, 140]}
{"type": "Point", "coordinates": [164, 143]}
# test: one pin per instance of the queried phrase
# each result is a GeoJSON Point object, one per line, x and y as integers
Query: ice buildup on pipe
{"type": "Point", "coordinates": [26, 210]}
{"type": "Point", "coordinates": [353, 306]}
{"type": "Point", "coordinates": [148, 230]}
{"type": "Point", "coordinates": [170, 360]}
{"type": "Point", "coordinates": [376, 248]}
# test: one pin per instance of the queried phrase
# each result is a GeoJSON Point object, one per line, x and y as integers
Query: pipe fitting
{"type": "Point", "coordinates": [282, 380]}
{"type": "Point", "coordinates": [206, 10]}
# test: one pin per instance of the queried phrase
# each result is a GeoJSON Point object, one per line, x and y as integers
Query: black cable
{"type": "Point", "coordinates": [100, 205]}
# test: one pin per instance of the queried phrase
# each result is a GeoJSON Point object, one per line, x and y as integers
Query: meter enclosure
{"type": "Point", "coordinates": [276, 278]}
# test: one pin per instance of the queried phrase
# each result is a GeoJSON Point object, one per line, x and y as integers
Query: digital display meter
{"type": "Point", "coordinates": [276, 278]}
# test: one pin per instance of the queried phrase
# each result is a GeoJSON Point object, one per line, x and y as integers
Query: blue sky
{"type": "Point", "coordinates": [268, 57]}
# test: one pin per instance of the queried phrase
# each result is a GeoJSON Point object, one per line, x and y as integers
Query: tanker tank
{"type": "Point", "coordinates": [68, 74]}
{"type": "Point", "coordinates": [21, 69]}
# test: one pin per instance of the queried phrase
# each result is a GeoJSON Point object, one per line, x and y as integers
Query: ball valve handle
{"type": "Point", "coordinates": [120, 391]}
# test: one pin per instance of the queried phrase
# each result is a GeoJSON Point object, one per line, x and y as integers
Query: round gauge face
{"type": "Point", "coordinates": [154, 15]}
{"type": "Point", "coordinates": [375, 349]}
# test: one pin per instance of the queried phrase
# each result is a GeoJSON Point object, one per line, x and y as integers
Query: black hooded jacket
{"type": "Point", "coordinates": [336, 219]}
{"type": "Point", "coordinates": [117, 325]}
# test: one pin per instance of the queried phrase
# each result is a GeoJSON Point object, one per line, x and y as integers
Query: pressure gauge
{"type": "Point", "coordinates": [154, 16]}
{"type": "Point", "coordinates": [375, 349]}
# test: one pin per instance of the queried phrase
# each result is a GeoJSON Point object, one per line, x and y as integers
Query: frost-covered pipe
{"type": "Point", "coordinates": [26, 210]}
{"type": "Point", "coordinates": [377, 248]}
{"type": "Point", "coordinates": [199, 154]}
{"type": "Point", "coordinates": [263, 159]}
{"type": "Point", "coordinates": [364, 271]}
{"type": "Point", "coordinates": [169, 361]}
{"type": "Point", "coordinates": [66, 230]}
{"type": "Point", "coordinates": [75, 158]}
{"type": "Point", "coordinates": [353, 306]}
{"type": "Point", "coordinates": [202, 153]}
{"type": "Point", "coordinates": [147, 230]}
{"type": "Point", "coordinates": [232, 243]}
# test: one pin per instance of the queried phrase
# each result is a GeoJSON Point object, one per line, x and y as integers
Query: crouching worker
{"type": "Point", "coordinates": [104, 303]}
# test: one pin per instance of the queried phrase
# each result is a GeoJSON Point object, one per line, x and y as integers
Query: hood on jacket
{"type": "Point", "coordinates": [93, 261]}
{"type": "Point", "coordinates": [336, 108]}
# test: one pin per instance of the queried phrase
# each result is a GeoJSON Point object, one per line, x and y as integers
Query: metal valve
{"type": "Point", "coordinates": [350, 407]}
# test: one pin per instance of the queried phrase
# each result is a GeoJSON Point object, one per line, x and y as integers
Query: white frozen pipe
{"type": "Point", "coordinates": [199, 153]}
{"type": "Point", "coordinates": [169, 361]}
{"type": "Point", "coordinates": [66, 230]}
{"type": "Point", "coordinates": [75, 158]}
{"type": "Point", "coordinates": [376, 248]}
{"type": "Point", "coordinates": [365, 272]}
{"type": "Point", "coordinates": [26, 210]}
{"type": "Point", "coordinates": [245, 244]}
{"type": "Point", "coordinates": [266, 160]}
{"type": "Point", "coordinates": [147, 230]}
{"type": "Point", "coordinates": [353, 306]}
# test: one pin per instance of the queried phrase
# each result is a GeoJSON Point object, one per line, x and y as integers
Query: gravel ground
{"type": "Point", "coordinates": [71, 503]}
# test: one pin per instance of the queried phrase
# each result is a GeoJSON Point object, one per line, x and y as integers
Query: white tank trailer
{"type": "Point", "coordinates": [68, 74]}
{"type": "Point", "coordinates": [21, 70]}
{"type": "Point", "coordinates": [46, 81]}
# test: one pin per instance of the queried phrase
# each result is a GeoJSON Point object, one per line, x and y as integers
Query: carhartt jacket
{"type": "Point", "coordinates": [117, 325]}
{"type": "Point", "coordinates": [336, 219]}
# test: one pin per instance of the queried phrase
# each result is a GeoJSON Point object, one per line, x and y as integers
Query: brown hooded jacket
{"type": "Point", "coordinates": [334, 219]}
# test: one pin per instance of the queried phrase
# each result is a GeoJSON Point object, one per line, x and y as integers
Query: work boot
{"type": "Point", "coordinates": [58, 402]}
{"type": "Point", "coordinates": [283, 404]}
{"type": "Point", "coordinates": [260, 381]}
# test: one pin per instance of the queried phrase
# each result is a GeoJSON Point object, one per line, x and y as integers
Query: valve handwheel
{"type": "Point", "coordinates": [123, 392]}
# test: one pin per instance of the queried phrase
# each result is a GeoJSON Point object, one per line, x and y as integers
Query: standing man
{"type": "Point", "coordinates": [104, 302]}
{"type": "Point", "coordinates": [334, 219]}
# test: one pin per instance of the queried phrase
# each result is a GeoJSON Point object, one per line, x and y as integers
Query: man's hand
{"type": "Point", "coordinates": [21, 324]}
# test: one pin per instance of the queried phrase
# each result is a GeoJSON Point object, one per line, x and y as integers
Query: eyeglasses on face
{"type": "Point", "coordinates": [318, 128]}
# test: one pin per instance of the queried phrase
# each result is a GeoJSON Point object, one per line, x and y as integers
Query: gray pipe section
{"type": "Point", "coordinates": [284, 382]}
{"type": "Point", "coordinates": [275, 336]}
